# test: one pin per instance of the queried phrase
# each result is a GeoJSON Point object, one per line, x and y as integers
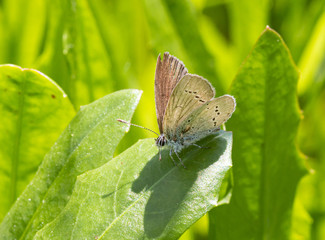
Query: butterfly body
{"type": "Point", "coordinates": [185, 105]}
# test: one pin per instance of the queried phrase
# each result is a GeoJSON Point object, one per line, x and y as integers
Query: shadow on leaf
{"type": "Point", "coordinates": [172, 186]}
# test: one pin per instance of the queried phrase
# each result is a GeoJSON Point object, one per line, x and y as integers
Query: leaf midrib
{"type": "Point", "coordinates": [16, 149]}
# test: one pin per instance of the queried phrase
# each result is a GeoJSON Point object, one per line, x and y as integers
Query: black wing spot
{"type": "Point", "coordinates": [216, 110]}
{"type": "Point", "coordinates": [213, 119]}
{"type": "Point", "coordinates": [189, 91]}
{"type": "Point", "coordinates": [185, 90]}
{"type": "Point", "coordinates": [195, 92]}
{"type": "Point", "coordinates": [201, 100]}
{"type": "Point", "coordinates": [216, 106]}
{"type": "Point", "coordinates": [189, 120]}
{"type": "Point", "coordinates": [197, 96]}
{"type": "Point", "coordinates": [218, 113]}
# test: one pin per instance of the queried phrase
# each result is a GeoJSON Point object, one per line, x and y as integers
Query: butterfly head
{"type": "Point", "coordinates": [161, 141]}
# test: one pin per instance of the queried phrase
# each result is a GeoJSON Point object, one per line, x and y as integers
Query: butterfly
{"type": "Point", "coordinates": [185, 106]}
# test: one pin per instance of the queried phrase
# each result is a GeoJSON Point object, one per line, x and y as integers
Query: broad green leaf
{"type": "Point", "coordinates": [136, 196]}
{"type": "Point", "coordinates": [34, 111]}
{"type": "Point", "coordinates": [267, 166]}
{"type": "Point", "coordinates": [87, 143]}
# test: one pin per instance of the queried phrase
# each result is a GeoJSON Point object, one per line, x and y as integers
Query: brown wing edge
{"type": "Point", "coordinates": [169, 71]}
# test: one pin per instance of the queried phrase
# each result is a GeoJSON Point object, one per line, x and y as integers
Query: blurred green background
{"type": "Point", "coordinates": [94, 47]}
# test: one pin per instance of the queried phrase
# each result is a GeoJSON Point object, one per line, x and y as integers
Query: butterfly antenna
{"type": "Point", "coordinates": [122, 121]}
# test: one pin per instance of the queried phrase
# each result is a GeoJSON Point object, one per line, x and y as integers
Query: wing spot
{"type": "Point", "coordinates": [189, 120]}
{"type": "Point", "coordinates": [216, 110]}
{"type": "Point", "coordinates": [216, 106]}
{"type": "Point", "coordinates": [213, 119]}
{"type": "Point", "coordinates": [218, 113]}
{"type": "Point", "coordinates": [215, 124]}
{"type": "Point", "coordinates": [195, 92]}
{"type": "Point", "coordinates": [201, 100]}
{"type": "Point", "coordinates": [189, 91]}
{"type": "Point", "coordinates": [185, 90]}
{"type": "Point", "coordinates": [197, 96]}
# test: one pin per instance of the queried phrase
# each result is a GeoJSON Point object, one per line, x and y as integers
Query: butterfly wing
{"type": "Point", "coordinates": [168, 72]}
{"type": "Point", "coordinates": [206, 119]}
{"type": "Point", "coordinates": [191, 92]}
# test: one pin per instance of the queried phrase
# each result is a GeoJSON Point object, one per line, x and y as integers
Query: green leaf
{"type": "Point", "coordinates": [301, 220]}
{"type": "Point", "coordinates": [136, 196]}
{"type": "Point", "coordinates": [86, 53]}
{"type": "Point", "coordinates": [174, 28]}
{"type": "Point", "coordinates": [312, 60]}
{"type": "Point", "coordinates": [267, 166]}
{"type": "Point", "coordinates": [87, 143]}
{"type": "Point", "coordinates": [34, 111]}
{"type": "Point", "coordinates": [24, 23]}
{"type": "Point", "coordinates": [253, 15]}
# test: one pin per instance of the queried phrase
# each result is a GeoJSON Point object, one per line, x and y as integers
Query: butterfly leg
{"type": "Point", "coordinates": [198, 146]}
{"type": "Point", "coordinates": [170, 154]}
{"type": "Point", "coordinates": [180, 160]}
{"type": "Point", "coordinates": [159, 153]}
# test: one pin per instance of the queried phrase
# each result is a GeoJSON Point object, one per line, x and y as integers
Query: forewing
{"type": "Point", "coordinates": [168, 72]}
{"type": "Point", "coordinates": [191, 92]}
{"type": "Point", "coordinates": [207, 118]}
